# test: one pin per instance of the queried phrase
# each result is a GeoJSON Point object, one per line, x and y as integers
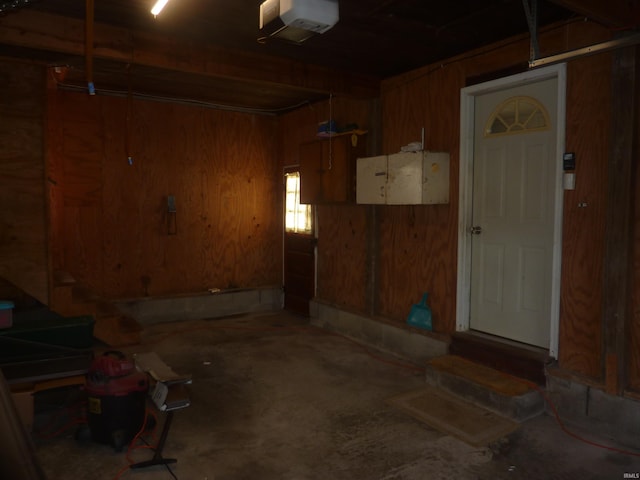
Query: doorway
{"type": "Point", "coordinates": [299, 247]}
{"type": "Point", "coordinates": [512, 140]}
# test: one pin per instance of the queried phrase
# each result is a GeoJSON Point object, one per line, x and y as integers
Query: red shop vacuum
{"type": "Point", "coordinates": [117, 395]}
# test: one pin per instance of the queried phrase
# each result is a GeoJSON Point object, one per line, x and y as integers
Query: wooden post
{"type": "Point", "coordinates": [619, 214]}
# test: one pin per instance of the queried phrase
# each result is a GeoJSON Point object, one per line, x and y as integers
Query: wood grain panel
{"type": "Point", "coordinates": [633, 329]}
{"type": "Point", "coordinates": [417, 252]}
{"type": "Point", "coordinates": [633, 361]}
{"type": "Point", "coordinates": [342, 255]}
{"type": "Point", "coordinates": [54, 173]}
{"type": "Point", "coordinates": [342, 230]}
{"type": "Point", "coordinates": [588, 119]}
{"type": "Point", "coordinates": [23, 253]}
{"type": "Point", "coordinates": [301, 126]}
{"type": "Point", "coordinates": [418, 244]}
{"type": "Point", "coordinates": [222, 170]}
{"type": "Point", "coordinates": [123, 201]}
{"type": "Point", "coordinates": [405, 263]}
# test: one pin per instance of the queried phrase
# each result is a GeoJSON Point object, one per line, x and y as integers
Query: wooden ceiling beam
{"type": "Point", "coordinates": [53, 33]}
{"type": "Point", "coordinates": [612, 13]}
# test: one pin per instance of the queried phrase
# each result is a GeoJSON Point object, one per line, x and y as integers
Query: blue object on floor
{"type": "Point", "coordinates": [420, 315]}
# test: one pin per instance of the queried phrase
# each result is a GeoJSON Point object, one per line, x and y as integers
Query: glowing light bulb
{"type": "Point", "coordinates": [157, 8]}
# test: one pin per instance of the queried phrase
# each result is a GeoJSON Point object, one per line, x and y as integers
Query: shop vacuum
{"type": "Point", "coordinates": [117, 395]}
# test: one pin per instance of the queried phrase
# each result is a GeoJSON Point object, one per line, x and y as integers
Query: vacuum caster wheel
{"type": "Point", "coordinates": [118, 440]}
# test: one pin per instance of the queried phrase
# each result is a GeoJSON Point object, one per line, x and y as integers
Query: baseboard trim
{"type": "Point", "coordinates": [201, 306]}
{"type": "Point", "coordinates": [385, 337]}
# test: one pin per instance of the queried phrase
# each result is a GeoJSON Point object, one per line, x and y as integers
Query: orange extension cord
{"type": "Point", "coordinates": [138, 436]}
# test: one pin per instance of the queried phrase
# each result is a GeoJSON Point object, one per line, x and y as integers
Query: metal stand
{"type": "Point", "coordinates": [158, 459]}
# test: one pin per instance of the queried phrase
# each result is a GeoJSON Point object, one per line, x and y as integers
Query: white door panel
{"type": "Point", "coordinates": [513, 204]}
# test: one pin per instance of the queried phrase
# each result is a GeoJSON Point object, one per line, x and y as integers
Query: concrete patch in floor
{"type": "Point", "coordinates": [448, 414]}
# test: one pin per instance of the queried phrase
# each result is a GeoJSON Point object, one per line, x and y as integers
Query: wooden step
{"type": "Point", "coordinates": [513, 397]}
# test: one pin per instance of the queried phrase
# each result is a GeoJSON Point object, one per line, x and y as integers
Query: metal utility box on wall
{"type": "Point", "coordinates": [407, 178]}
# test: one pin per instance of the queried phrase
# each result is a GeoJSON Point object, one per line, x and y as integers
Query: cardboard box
{"type": "Point", "coordinates": [169, 392]}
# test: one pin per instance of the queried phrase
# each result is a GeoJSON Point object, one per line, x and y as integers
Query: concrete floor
{"type": "Point", "coordinates": [273, 398]}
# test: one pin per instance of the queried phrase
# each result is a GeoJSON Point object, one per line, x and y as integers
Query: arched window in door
{"type": "Point", "coordinates": [517, 115]}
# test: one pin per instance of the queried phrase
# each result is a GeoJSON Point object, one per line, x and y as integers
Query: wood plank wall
{"type": "Point", "coordinates": [416, 246]}
{"type": "Point", "coordinates": [109, 218]}
{"type": "Point", "coordinates": [111, 226]}
{"type": "Point", "coordinates": [436, 90]}
{"type": "Point", "coordinates": [588, 120]}
{"type": "Point", "coordinates": [418, 243]}
{"type": "Point", "coordinates": [342, 229]}
{"type": "Point", "coordinates": [23, 233]}
{"type": "Point", "coordinates": [633, 345]}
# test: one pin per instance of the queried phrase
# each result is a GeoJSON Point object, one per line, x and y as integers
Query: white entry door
{"type": "Point", "coordinates": [513, 205]}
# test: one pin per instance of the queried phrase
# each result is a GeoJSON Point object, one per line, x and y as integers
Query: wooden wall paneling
{"type": "Point", "coordinates": [311, 170]}
{"type": "Point", "coordinates": [54, 171]}
{"type": "Point", "coordinates": [254, 170]}
{"type": "Point", "coordinates": [632, 358]}
{"type": "Point", "coordinates": [23, 255]}
{"type": "Point", "coordinates": [619, 202]}
{"type": "Point", "coordinates": [211, 260]}
{"type": "Point", "coordinates": [418, 244]}
{"type": "Point", "coordinates": [160, 145]}
{"type": "Point", "coordinates": [183, 161]}
{"type": "Point", "coordinates": [122, 201]}
{"type": "Point", "coordinates": [81, 186]}
{"type": "Point", "coordinates": [301, 125]}
{"type": "Point", "coordinates": [216, 193]}
{"type": "Point", "coordinates": [23, 233]}
{"type": "Point", "coordinates": [342, 229]}
{"type": "Point", "coordinates": [221, 168]}
{"type": "Point", "coordinates": [342, 255]}
{"type": "Point", "coordinates": [588, 119]}
{"type": "Point", "coordinates": [403, 114]}
{"type": "Point", "coordinates": [442, 115]}
{"type": "Point", "coordinates": [416, 249]}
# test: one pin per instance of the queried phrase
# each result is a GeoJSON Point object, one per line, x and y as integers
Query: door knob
{"type": "Point", "coordinates": [477, 230]}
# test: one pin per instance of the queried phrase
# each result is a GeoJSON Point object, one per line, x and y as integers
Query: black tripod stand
{"type": "Point", "coordinates": [158, 459]}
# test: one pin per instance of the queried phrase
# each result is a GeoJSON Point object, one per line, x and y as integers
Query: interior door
{"type": "Point", "coordinates": [513, 212]}
{"type": "Point", "coordinates": [299, 247]}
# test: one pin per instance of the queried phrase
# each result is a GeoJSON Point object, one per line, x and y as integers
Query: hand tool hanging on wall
{"type": "Point", "coordinates": [172, 222]}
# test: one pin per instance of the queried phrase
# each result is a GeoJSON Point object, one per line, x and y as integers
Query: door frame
{"type": "Point", "coordinates": [465, 206]}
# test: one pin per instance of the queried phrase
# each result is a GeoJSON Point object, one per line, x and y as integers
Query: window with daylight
{"type": "Point", "coordinates": [517, 115]}
{"type": "Point", "coordinates": [297, 216]}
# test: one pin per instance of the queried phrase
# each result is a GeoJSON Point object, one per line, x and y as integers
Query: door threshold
{"type": "Point", "coordinates": [515, 358]}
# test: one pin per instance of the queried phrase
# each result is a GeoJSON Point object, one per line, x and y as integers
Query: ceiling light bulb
{"type": "Point", "coordinates": [157, 8]}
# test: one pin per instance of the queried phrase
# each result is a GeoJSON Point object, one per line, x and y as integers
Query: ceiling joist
{"type": "Point", "coordinates": [52, 33]}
